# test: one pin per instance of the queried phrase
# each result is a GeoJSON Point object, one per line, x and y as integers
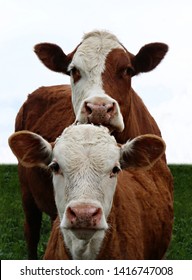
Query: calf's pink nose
{"type": "Point", "coordinates": [84, 216]}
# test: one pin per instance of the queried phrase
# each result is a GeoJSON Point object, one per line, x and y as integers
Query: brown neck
{"type": "Point", "coordinates": [137, 120]}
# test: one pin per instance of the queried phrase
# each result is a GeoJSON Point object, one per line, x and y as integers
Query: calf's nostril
{"type": "Point", "coordinates": [71, 215]}
{"type": "Point", "coordinates": [96, 212]}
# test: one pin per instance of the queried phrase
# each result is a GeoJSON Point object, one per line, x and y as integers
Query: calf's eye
{"type": "Point", "coordinates": [54, 166]}
{"type": "Point", "coordinates": [116, 169]}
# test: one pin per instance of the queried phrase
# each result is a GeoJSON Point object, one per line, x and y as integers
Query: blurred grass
{"type": "Point", "coordinates": [12, 242]}
{"type": "Point", "coordinates": [181, 245]}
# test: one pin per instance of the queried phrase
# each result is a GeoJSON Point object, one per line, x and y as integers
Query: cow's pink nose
{"type": "Point", "coordinates": [84, 216]}
{"type": "Point", "coordinates": [100, 113]}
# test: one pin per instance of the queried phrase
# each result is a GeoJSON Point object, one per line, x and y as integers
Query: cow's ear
{"type": "Point", "coordinates": [142, 152]}
{"type": "Point", "coordinates": [149, 57]}
{"type": "Point", "coordinates": [53, 57]}
{"type": "Point", "coordinates": [30, 149]}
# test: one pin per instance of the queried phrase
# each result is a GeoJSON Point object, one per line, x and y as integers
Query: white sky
{"type": "Point", "coordinates": [166, 91]}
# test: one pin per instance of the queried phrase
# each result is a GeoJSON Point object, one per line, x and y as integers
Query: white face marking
{"type": "Point", "coordinates": [86, 155]}
{"type": "Point", "coordinates": [90, 59]}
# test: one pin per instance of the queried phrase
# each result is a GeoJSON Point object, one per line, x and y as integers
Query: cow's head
{"type": "Point", "coordinates": [101, 70]}
{"type": "Point", "coordinates": [85, 161]}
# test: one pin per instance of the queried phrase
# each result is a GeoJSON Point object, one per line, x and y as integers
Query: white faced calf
{"type": "Point", "coordinates": [85, 161]}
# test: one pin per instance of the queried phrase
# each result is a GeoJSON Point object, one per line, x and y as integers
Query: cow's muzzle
{"type": "Point", "coordinates": [101, 111]}
{"type": "Point", "coordinates": [84, 220]}
{"type": "Point", "coordinates": [84, 216]}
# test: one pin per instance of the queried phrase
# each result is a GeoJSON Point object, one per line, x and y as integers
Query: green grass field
{"type": "Point", "coordinates": [12, 243]}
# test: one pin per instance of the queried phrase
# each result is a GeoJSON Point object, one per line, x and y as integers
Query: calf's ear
{"type": "Point", "coordinates": [149, 57]}
{"type": "Point", "coordinates": [142, 152]}
{"type": "Point", "coordinates": [30, 149]}
{"type": "Point", "coordinates": [53, 57]}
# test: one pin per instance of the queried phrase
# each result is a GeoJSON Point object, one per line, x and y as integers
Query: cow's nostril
{"type": "Point", "coordinates": [71, 215]}
{"type": "Point", "coordinates": [71, 212]}
{"type": "Point", "coordinates": [88, 108]}
{"type": "Point", "coordinates": [110, 107]}
{"type": "Point", "coordinates": [96, 213]}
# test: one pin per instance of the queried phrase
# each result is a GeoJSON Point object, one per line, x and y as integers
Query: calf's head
{"type": "Point", "coordinates": [85, 161]}
{"type": "Point", "coordinates": [101, 70]}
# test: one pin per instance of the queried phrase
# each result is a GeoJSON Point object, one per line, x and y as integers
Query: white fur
{"type": "Point", "coordinates": [90, 59]}
{"type": "Point", "coordinates": [84, 249]}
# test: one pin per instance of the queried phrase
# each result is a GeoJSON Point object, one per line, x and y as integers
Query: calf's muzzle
{"type": "Point", "coordinates": [84, 216]}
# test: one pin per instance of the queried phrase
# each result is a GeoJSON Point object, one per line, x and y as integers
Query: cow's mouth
{"type": "Point", "coordinates": [108, 125]}
{"type": "Point", "coordinates": [85, 233]}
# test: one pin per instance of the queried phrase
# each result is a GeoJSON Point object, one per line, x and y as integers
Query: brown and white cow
{"type": "Point", "coordinates": [101, 69]}
{"type": "Point", "coordinates": [102, 215]}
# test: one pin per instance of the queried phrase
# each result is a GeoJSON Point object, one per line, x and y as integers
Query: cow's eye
{"type": "Point", "coordinates": [116, 169]}
{"type": "Point", "coordinates": [54, 166]}
{"type": "Point", "coordinates": [75, 73]}
{"type": "Point", "coordinates": [128, 71]}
